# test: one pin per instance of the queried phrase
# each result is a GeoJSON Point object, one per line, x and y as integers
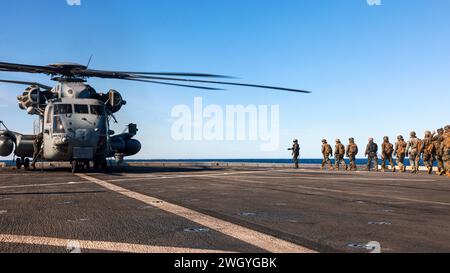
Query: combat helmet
{"type": "Point", "coordinates": [295, 140]}
{"type": "Point", "coordinates": [338, 140]}
{"type": "Point", "coordinates": [427, 134]}
{"type": "Point", "coordinates": [447, 128]}
{"type": "Point", "coordinates": [413, 134]}
{"type": "Point", "coordinates": [324, 141]}
{"type": "Point", "coordinates": [386, 138]}
{"type": "Point", "coordinates": [351, 140]}
{"type": "Point", "coordinates": [400, 137]}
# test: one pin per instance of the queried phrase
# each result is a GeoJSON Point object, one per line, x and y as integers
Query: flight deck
{"type": "Point", "coordinates": [201, 209]}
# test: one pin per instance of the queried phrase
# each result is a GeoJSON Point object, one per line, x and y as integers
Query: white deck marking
{"type": "Point", "coordinates": [258, 239]}
{"type": "Point", "coordinates": [168, 176]}
{"type": "Point", "coordinates": [41, 185]}
{"type": "Point", "coordinates": [99, 245]}
{"type": "Point", "coordinates": [349, 192]}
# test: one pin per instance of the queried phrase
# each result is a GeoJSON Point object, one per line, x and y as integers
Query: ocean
{"type": "Point", "coordinates": [360, 161]}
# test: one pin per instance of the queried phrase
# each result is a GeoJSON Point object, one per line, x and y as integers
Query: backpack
{"type": "Point", "coordinates": [429, 146]}
{"type": "Point", "coordinates": [401, 147]}
{"type": "Point", "coordinates": [388, 148]}
{"type": "Point", "coordinates": [447, 140]}
{"type": "Point", "coordinates": [341, 149]}
{"type": "Point", "coordinates": [327, 149]}
{"type": "Point", "coordinates": [353, 149]}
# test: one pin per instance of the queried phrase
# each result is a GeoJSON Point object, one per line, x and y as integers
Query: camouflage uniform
{"type": "Point", "coordinates": [429, 151]}
{"type": "Point", "coordinates": [438, 141]}
{"type": "Point", "coordinates": [371, 153]}
{"type": "Point", "coordinates": [352, 152]}
{"type": "Point", "coordinates": [37, 147]}
{"type": "Point", "coordinates": [447, 149]}
{"type": "Point", "coordinates": [339, 153]}
{"type": "Point", "coordinates": [327, 151]}
{"type": "Point", "coordinates": [413, 151]}
{"type": "Point", "coordinates": [295, 153]}
{"type": "Point", "coordinates": [386, 154]}
{"type": "Point", "coordinates": [400, 152]}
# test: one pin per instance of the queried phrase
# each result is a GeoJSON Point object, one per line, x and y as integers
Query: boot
{"type": "Point", "coordinates": [430, 170]}
{"type": "Point", "coordinates": [393, 169]}
{"type": "Point", "coordinates": [439, 171]}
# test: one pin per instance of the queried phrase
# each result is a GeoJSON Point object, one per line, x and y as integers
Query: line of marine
{"type": "Point", "coordinates": [434, 147]}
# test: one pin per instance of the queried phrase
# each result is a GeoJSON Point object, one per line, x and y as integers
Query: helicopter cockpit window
{"type": "Point", "coordinates": [58, 126]}
{"type": "Point", "coordinates": [63, 109]}
{"type": "Point", "coordinates": [81, 109]}
{"type": "Point", "coordinates": [97, 110]}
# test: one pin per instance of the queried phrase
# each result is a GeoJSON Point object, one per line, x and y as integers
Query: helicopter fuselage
{"type": "Point", "coordinates": [75, 129]}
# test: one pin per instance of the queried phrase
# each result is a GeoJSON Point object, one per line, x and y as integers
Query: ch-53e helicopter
{"type": "Point", "coordinates": [74, 118]}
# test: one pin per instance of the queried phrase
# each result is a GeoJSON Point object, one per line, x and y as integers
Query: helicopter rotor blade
{"type": "Point", "coordinates": [12, 67]}
{"type": "Point", "coordinates": [225, 83]}
{"type": "Point", "coordinates": [175, 84]}
{"type": "Point", "coordinates": [28, 83]}
{"type": "Point", "coordinates": [175, 74]}
{"type": "Point", "coordinates": [71, 70]}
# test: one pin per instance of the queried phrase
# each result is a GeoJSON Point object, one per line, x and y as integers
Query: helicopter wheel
{"type": "Point", "coordinates": [26, 163]}
{"type": "Point", "coordinates": [96, 165]}
{"type": "Point", "coordinates": [87, 165]}
{"type": "Point", "coordinates": [18, 163]}
{"type": "Point", "coordinates": [74, 166]}
{"type": "Point", "coordinates": [104, 165]}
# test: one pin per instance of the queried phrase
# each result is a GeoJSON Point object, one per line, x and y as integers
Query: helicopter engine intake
{"type": "Point", "coordinates": [31, 100]}
{"type": "Point", "coordinates": [6, 146]}
{"type": "Point", "coordinates": [114, 101]}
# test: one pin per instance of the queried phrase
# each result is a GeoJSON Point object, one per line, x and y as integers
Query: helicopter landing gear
{"type": "Point", "coordinates": [74, 166]}
{"type": "Point", "coordinates": [101, 164]}
{"type": "Point", "coordinates": [18, 163]}
{"type": "Point", "coordinates": [25, 162]}
{"type": "Point", "coordinates": [77, 165]}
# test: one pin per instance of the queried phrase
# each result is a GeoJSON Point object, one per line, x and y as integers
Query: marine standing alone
{"type": "Point", "coordinates": [327, 151]}
{"type": "Point", "coordinates": [295, 153]}
{"type": "Point", "coordinates": [386, 154]}
{"type": "Point", "coordinates": [429, 151]}
{"type": "Point", "coordinates": [372, 154]}
{"type": "Point", "coordinates": [339, 152]}
{"type": "Point", "coordinates": [413, 151]}
{"type": "Point", "coordinates": [352, 152]}
{"type": "Point", "coordinates": [37, 149]}
{"type": "Point", "coordinates": [400, 152]}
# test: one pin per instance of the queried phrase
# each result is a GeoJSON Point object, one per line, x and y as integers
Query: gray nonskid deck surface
{"type": "Point", "coordinates": [145, 209]}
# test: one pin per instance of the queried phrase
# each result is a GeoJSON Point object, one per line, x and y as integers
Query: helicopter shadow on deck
{"type": "Point", "coordinates": [122, 170]}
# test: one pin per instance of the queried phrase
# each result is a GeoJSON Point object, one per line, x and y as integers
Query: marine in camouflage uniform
{"type": "Point", "coordinates": [447, 149]}
{"type": "Point", "coordinates": [352, 152]}
{"type": "Point", "coordinates": [413, 151]}
{"type": "Point", "coordinates": [295, 153]}
{"type": "Point", "coordinates": [400, 152]}
{"type": "Point", "coordinates": [37, 149]}
{"type": "Point", "coordinates": [429, 151]}
{"type": "Point", "coordinates": [339, 152]}
{"type": "Point", "coordinates": [438, 141]}
{"type": "Point", "coordinates": [327, 151]}
{"type": "Point", "coordinates": [372, 156]}
{"type": "Point", "coordinates": [386, 154]}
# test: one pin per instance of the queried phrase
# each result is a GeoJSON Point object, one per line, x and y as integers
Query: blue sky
{"type": "Point", "coordinates": [374, 70]}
